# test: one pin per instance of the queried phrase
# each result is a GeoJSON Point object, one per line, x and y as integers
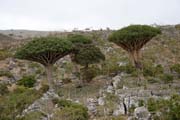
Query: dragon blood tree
{"type": "Point", "coordinates": [86, 55]}
{"type": "Point", "coordinates": [45, 50]}
{"type": "Point", "coordinates": [133, 38]}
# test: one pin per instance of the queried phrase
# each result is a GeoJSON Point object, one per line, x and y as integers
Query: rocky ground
{"type": "Point", "coordinates": [112, 93]}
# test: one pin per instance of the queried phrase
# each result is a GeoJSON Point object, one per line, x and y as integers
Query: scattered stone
{"type": "Point", "coordinates": [141, 113]}
{"type": "Point", "coordinates": [101, 101]}
{"type": "Point", "coordinates": [110, 89]}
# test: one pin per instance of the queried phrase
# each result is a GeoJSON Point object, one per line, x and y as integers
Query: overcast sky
{"type": "Point", "coordinates": [69, 14]}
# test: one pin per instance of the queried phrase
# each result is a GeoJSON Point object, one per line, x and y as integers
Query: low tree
{"type": "Point", "coordinates": [45, 50]}
{"type": "Point", "coordinates": [78, 39]}
{"type": "Point", "coordinates": [133, 38]}
{"type": "Point", "coordinates": [86, 55]}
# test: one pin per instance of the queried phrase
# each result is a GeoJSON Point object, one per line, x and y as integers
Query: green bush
{"type": "Point", "coordinates": [66, 80]}
{"type": "Point", "coordinates": [15, 102]}
{"type": "Point", "coordinates": [150, 70]}
{"type": "Point", "coordinates": [152, 80]}
{"type": "Point", "coordinates": [70, 111]}
{"type": "Point", "coordinates": [89, 73]}
{"type": "Point", "coordinates": [6, 73]}
{"type": "Point", "coordinates": [129, 69]}
{"type": "Point", "coordinates": [3, 89]}
{"type": "Point", "coordinates": [141, 103]}
{"type": "Point", "coordinates": [175, 68]}
{"type": "Point", "coordinates": [27, 81]}
{"type": "Point", "coordinates": [152, 105]}
{"type": "Point", "coordinates": [31, 116]}
{"type": "Point", "coordinates": [4, 54]}
{"type": "Point", "coordinates": [168, 109]}
{"type": "Point", "coordinates": [44, 88]}
{"type": "Point", "coordinates": [167, 78]}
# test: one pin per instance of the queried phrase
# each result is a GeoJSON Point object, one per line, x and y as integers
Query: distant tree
{"type": "Point", "coordinates": [45, 50]}
{"type": "Point", "coordinates": [133, 38]}
{"type": "Point", "coordinates": [78, 39]}
{"type": "Point", "coordinates": [86, 55]}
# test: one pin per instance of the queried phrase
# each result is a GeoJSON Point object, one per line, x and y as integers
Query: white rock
{"type": "Point", "coordinates": [141, 113]}
{"type": "Point", "coordinates": [116, 81]}
{"type": "Point", "coordinates": [101, 101]}
{"type": "Point", "coordinates": [110, 89]}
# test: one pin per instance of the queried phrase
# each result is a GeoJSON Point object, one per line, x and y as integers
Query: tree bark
{"type": "Point", "coordinates": [49, 71]}
{"type": "Point", "coordinates": [135, 58]}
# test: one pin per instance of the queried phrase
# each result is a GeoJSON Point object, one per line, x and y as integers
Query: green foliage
{"type": "Point", "coordinates": [66, 80]}
{"type": "Point", "coordinates": [27, 81]}
{"type": "Point", "coordinates": [70, 111]}
{"type": "Point", "coordinates": [167, 78]}
{"type": "Point", "coordinates": [111, 97]}
{"type": "Point", "coordinates": [44, 88]}
{"type": "Point", "coordinates": [45, 50]}
{"type": "Point", "coordinates": [88, 54]}
{"type": "Point", "coordinates": [151, 104]}
{"type": "Point", "coordinates": [128, 68]}
{"type": "Point", "coordinates": [89, 73]}
{"type": "Point", "coordinates": [15, 102]}
{"type": "Point", "coordinates": [169, 109]}
{"type": "Point", "coordinates": [4, 54]}
{"type": "Point", "coordinates": [3, 89]}
{"type": "Point", "coordinates": [6, 73]}
{"type": "Point", "coordinates": [141, 103]}
{"type": "Point", "coordinates": [131, 109]}
{"type": "Point", "coordinates": [134, 37]}
{"type": "Point", "coordinates": [78, 39]}
{"type": "Point", "coordinates": [175, 68]}
{"type": "Point", "coordinates": [150, 70]}
{"type": "Point", "coordinates": [31, 116]}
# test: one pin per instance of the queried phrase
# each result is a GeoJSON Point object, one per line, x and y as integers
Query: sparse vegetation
{"type": "Point", "coordinates": [27, 81]}
{"type": "Point", "coordinates": [169, 109]}
{"type": "Point", "coordinates": [70, 111]}
{"type": "Point", "coordinates": [3, 89]}
{"type": "Point", "coordinates": [15, 102]}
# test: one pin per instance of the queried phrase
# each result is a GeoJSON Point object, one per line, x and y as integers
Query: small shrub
{"type": "Point", "coordinates": [141, 103]}
{"type": "Point", "coordinates": [3, 89]}
{"type": "Point", "coordinates": [70, 111]}
{"type": "Point", "coordinates": [175, 68]}
{"type": "Point", "coordinates": [44, 88]}
{"type": "Point", "coordinates": [151, 105]}
{"type": "Point", "coordinates": [168, 109]}
{"type": "Point", "coordinates": [6, 73]}
{"type": "Point", "coordinates": [167, 78]}
{"type": "Point", "coordinates": [129, 69]}
{"type": "Point", "coordinates": [131, 109]}
{"type": "Point", "coordinates": [111, 97]}
{"type": "Point", "coordinates": [15, 102]}
{"type": "Point", "coordinates": [31, 116]}
{"type": "Point", "coordinates": [66, 80]}
{"type": "Point", "coordinates": [27, 81]}
{"type": "Point", "coordinates": [89, 74]}
{"type": "Point", "coordinates": [152, 80]}
{"type": "Point", "coordinates": [150, 70]}
{"type": "Point", "coordinates": [4, 54]}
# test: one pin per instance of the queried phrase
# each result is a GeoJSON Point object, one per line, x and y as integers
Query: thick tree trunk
{"type": "Point", "coordinates": [49, 71]}
{"type": "Point", "coordinates": [135, 58]}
